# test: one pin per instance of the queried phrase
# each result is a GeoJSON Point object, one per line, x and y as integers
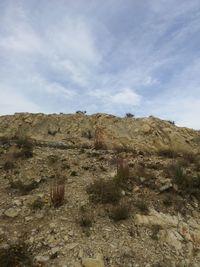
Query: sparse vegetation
{"type": "Point", "coordinates": [26, 148]}
{"type": "Point", "coordinates": [129, 115]}
{"type": "Point", "coordinates": [86, 219]}
{"type": "Point", "coordinates": [57, 193]}
{"type": "Point", "coordinates": [142, 206]}
{"type": "Point", "coordinates": [8, 165]}
{"type": "Point", "coordinates": [122, 171]}
{"type": "Point", "coordinates": [16, 255]}
{"type": "Point", "coordinates": [22, 188]}
{"type": "Point", "coordinates": [38, 203]}
{"type": "Point", "coordinates": [186, 183]}
{"type": "Point", "coordinates": [102, 191]}
{"type": "Point", "coordinates": [120, 212]}
{"type": "Point", "coordinates": [168, 153]}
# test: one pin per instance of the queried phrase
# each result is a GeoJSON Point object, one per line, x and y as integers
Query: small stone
{"type": "Point", "coordinates": [55, 250]}
{"type": "Point", "coordinates": [71, 233]}
{"type": "Point", "coordinates": [165, 187]}
{"type": "Point", "coordinates": [11, 212]}
{"type": "Point", "coordinates": [71, 246]}
{"type": "Point", "coordinates": [42, 258]}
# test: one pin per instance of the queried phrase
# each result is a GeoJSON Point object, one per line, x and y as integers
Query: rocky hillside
{"type": "Point", "coordinates": [78, 130]}
{"type": "Point", "coordinates": [98, 191]}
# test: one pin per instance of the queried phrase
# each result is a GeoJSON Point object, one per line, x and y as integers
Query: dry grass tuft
{"type": "Point", "coordinates": [57, 193]}
{"type": "Point", "coordinates": [102, 191]}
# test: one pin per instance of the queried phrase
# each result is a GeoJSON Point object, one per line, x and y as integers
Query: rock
{"type": "Point", "coordinates": [41, 259]}
{"type": "Point", "coordinates": [89, 262]}
{"type": "Point", "coordinates": [165, 187]}
{"type": "Point", "coordinates": [71, 246]}
{"type": "Point", "coordinates": [12, 212]}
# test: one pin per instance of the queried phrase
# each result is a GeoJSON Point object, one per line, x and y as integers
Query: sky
{"type": "Point", "coordinates": [114, 56]}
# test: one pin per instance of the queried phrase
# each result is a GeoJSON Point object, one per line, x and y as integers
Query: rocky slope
{"type": "Point", "coordinates": [157, 199]}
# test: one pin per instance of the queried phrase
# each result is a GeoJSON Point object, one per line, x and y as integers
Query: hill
{"type": "Point", "coordinates": [98, 190]}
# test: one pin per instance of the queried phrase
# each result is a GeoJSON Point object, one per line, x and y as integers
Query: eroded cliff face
{"type": "Point", "coordinates": [146, 134]}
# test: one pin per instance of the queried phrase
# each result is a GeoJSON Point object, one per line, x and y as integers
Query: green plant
{"type": "Point", "coordinates": [102, 191]}
{"type": "Point", "coordinates": [57, 193]}
{"type": "Point", "coordinates": [120, 212]}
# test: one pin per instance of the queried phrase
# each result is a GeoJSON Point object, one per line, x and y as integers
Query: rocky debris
{"type": "Point", "coordinates": [12, 212]}
{"type": "Point", "coordinates": [173, 229]}
{"type": "Point", "coordinates": [154, 233]}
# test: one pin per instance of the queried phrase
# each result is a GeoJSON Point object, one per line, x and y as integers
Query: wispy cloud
{"type": "Point", "coordinates": [139, 56]}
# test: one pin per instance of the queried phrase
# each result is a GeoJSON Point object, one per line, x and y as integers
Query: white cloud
{"type": "Point", "coordinates": [126, 97]}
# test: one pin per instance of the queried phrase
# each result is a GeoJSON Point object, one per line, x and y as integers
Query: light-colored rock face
{"type": "Point", "coordinates": [174, 229]}
{"type": "Point", "coordinates": [89, 262]}
{"type": "Point", "coordinates": [74, 129]}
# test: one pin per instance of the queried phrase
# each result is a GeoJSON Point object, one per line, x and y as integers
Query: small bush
{"type": "Point", "coordinates": [167, 202]}
{"type": "Point", "coordinates": [16, 255]}
{"type": "Point", "coordinates": [57, 193]}
{"type": "Point", "coordinates": [187, 184]}
{"type": "Point", "coordinates": [26, 148]}
{"type": "Point", "coordinates": [121, 212]}
{"type": "Point", "coordinates": [129, 115]}
{"type": "Point", "coordinates": [142, 206]}
{"type": "Point", "coordinates": [86, 219]}
{"type": "Point", "coordinates": [37, 204]}
{"type": "Point", "coordinates": [8, 165]}
{"type": "Point", "coordinates": [102, 191]}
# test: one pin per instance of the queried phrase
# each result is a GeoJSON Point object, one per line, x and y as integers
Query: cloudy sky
{"type": "Point", "coordinates": [113, 56]}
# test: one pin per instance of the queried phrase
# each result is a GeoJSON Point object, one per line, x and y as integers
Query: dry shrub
{"type": "Point", "coordinates": [122, 171]}
{"type": "Point", "coordinates": [168, 153]}
{"type": "Point", "coordinates": [187, 184]}
{"type": "Point", "coordinates": [8, 165]}
{"type": "Point", "coordinates": [26, 148]}
{"type": "Point", "coordinates": [142, 206]}
{"type": "Point", "coordinates": [86, 218]}
{"type": "Point", "coordinates": [16, 255]}
{"type": "Point", "coordinates": [102, 191]}
{"type": "Point", "coordinates": [57, 193]}
{"type": "Point", "coordinates": [120, 212]}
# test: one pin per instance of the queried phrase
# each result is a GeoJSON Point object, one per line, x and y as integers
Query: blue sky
{"type": "Point", "coordinates": [113, 56]}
